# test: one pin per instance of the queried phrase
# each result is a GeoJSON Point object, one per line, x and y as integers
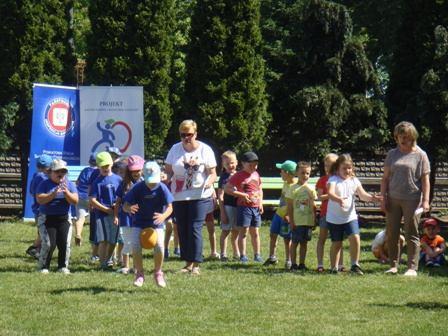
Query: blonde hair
{"type": "Point", "coordinates": [342, 159]}
{"type": "Point", "coordinates": [303, 164]}
{"type": "Point", "coordinates": [228, 155]}
{"type": "Point", "coordinates": [330, 157]}
{"type": "Point", "coordinates": [406, 128]}
{"type": "Point", "coordinates": [187, 125]}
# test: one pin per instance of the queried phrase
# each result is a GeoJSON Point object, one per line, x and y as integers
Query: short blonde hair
{"type": "Point", "coordinates": [303, 164]}
{"type": "Point", "coordinates": [187, 125]}
{"type": "Point", "coordinates": [406, 128]}
{"type": "Point", "coordinates": [228, 155]}
{"type": "Point", "coordinates": [330, 157]}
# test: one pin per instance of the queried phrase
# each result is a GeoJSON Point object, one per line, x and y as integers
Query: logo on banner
{"type": "Point", "coordinates": [109, 135]}
{"type": "Point", "coordinates": [59, 118]}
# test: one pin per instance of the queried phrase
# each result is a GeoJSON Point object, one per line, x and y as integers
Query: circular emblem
{"type": "Point", "coordinates": [59, 118]}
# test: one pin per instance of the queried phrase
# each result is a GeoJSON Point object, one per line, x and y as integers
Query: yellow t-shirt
{"type": "Point", "coordinates": [282, 209]}
{"type": "Point", "coordinates": [302, 196]}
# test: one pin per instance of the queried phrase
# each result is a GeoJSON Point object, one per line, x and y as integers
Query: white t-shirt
{"type": "Point", "coordinates": [345, 189]}
{"type": "Point", "coordinates": [379, 239]}
{"type": "Point", "coordinates": [189, 170]}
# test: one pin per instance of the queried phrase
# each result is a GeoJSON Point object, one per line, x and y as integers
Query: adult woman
{"type": "Point", "coordinates": [405, 190]}
{"type": "Point", "coordinates": [191, 165]}
{"type": "Point", "coordinates": [55, 196]}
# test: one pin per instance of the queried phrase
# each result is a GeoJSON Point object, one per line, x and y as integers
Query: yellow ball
{"type": "Point", "coordinates": [148, 238]}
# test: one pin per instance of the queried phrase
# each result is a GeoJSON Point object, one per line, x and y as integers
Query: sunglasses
{"type": "Point", "coordinates": [186, 135]}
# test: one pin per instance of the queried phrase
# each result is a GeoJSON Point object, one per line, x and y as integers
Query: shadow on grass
{"type": "Point", "coordinates": [94, 290]}
{"type": "Point", "coordinates": [415, 305]}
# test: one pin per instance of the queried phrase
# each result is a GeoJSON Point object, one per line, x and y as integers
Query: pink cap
{"type": "Point", "coordinates": [135, 162]}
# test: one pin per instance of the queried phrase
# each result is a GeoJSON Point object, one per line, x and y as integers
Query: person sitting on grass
{"type": "Point", "coordinates": [300, 199]}
{"type": "Point", "coordinates": [280, 220]}
{"type": "Point", "coordinates": [432, 245]}
{"type": "Point", "coordinates": [379, 247]}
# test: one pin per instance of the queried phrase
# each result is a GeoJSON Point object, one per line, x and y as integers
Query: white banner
{"type": "Point", "coordinates": [111, 116]}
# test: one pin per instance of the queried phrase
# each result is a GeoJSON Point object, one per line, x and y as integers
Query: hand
{"type": "Point", "coordinates": [286, 219]}
{"type": "Point", "coordinates": [340, 201]}
{"type": "Point", "coordinates": [293, 226]}
{"type": "Point", "coordinates": [425, 206]}
{"type": "Point", "coordinates": [115, 221]}
{"type": "Point", "coordinates": [377, 198]}
{"type": "Point", "coordinates": [261, 209]}
{"type": "Point", "coordinates": [247, 199]}
{"type": "Point", "coordinates": [133, 209]}
{"type": "Point", "coordinates": [383, 205]}
{"type": "Point", "coordinates": [158, 218]}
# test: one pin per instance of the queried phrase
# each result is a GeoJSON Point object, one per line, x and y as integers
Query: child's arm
{"type": "Point", "coordinates": [132, 209]}
{"type": "Point", "coordinates": [159, 218]}
{"type": "Point", "coordinates": [439, 249]}
{"type": "Point", "coordinates": [290, 212]}
{"type": "Point", "coordinates": [312, 205]}
{"type": "Point", "coordinates": [116, 208]}
{"type": "Point", "coordinates": [366, 197]}
{"type": "Point", "coordinates": [321, 196]}
{"type": "Point", "coordinates": [230, 189]}
{"type": "Point", "coordinates": [222, 210]}
{"type": "Point", "coordinates": [48, 197]}
{"type": "Point", "coordinates": [261, 201]}
{"type": "Point", "coordinates": [99, 206]}
{"type": "Point", "coordinates": [71, 197]}
{"type": "Point", "coordinates": [211, 178]}
{"type": "Point", "coordinates": [332, 194]}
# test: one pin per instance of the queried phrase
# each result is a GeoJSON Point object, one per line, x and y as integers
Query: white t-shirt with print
{"type": "Point", "coordinates": [345, 189]}
{"type": "Point", "coordinates": [189, 171]}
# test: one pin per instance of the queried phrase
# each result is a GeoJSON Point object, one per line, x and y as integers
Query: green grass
{"type": "Point", "coordinates": [227, 299]}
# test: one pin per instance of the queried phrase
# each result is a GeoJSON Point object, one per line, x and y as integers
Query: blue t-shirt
{"type": "Point", "coordinates": [35, 181]}
{"type": "Point", "coordinates": [149, 201]}
{"type": "Point", "coordinates": [228, 199]}
{"type": "Point", "coordinates": [104, 189]}
{"type": "Point", "coordinates": [83, 182]}
{"type": "Point", "coordinates": [59, 205]}
{"type": "Point", "coordinates": [125, 219]}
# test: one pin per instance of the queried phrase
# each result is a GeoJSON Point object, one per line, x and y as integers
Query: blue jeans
{"type": "Point", "coordinates": [190, 217]}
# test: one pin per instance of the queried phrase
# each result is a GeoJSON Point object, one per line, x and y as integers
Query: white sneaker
{"type": "Point", "coordinates": [410, 273]}
{"type": "Point", "coordinates": [44, 271]}
{"type": "Point", "coordinates": [123, 270]}
{"type": "Point", "coordinates": [64, 270]}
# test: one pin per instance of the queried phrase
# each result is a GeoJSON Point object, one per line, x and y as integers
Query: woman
{"type": "Point", "coordinates": [55, 196]}
{"type": "Point", "coordinates": [191, 165]}
{"type": "Point", "coordinates": [405, 190]}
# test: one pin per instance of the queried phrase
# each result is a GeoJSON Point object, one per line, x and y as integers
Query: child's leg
{"type": "Point", "coordinates": [242, 240]}
{"type": "Point", "coordinates": [223, 242]}
{"type": "Point", "coordinates": [136, 249]}
{"type": "Point", "coordinates": [210, 224]}
{"type": "Point", "coordinates": [158, 251]}
{"type": "Point", "coordinates": [102, 251]}
{"type": "Point", "coordinates": [293, 252]}
{"type": "Point", "coordinates": [176, 236]}
{"type": "Point", "coordinates": [287, 249]}
{"type": "Point", "coordinates": [335, 251]}
{"type": "Point", "coordinates": [255, 239]}
{"type": "Point", "coordinates": [272, 244]}
{"type": "Point", "coordinates": [234, 240]}
{"type": "Point", "coordinates": [355, 245]}
{"type": "Point", "coordinates": [323, 234]}
{"type": "Point", "coordinates": [168, 232]}
{"type": "Point", "coordinates": [51, 230]}
{"type": "Point", "coordinates": [63, 235]}
{"type": "Point", "coordinates": [119, 247]}
{"type": "Point", "coordinates": [302, 251]}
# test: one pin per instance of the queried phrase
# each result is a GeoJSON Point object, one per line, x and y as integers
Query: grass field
{"type": "Point", "coordinates": [226, 299]}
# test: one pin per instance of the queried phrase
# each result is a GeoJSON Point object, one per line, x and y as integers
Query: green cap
{"type": "Point", "coordinates": [288, 166]}
{"type": "Point", "coordinates": [104, 159]}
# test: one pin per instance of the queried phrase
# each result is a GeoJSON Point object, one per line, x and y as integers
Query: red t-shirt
{"type": "Point", "coordinates": [249, 184]}
{"type": "Point", "coordinates": [432, 243]}
{"type": "Point", "coordinates": [322, 184]}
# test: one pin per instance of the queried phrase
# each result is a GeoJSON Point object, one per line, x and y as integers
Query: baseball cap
{"type": "Point", "coordinates": [430, 222]}
{"type": "Point", "coordinates": [151, 172]}
{"type": "Point", "coordinates": [288, 166]}
{"type": "Point", "coordinates": [103, 159]}
{"type": "Point", "coordinates": [249, 157]}
{"type": "Point", "coordinates": [114, 150]}
{"type": "Point", "coordinates": [58, 164]}
{"type": "Point", "coordinates": [135, 162]}
{"type": "Point", "coordinates": [92, 159]}
{"type": "Point", "coordinates": [44, 161]}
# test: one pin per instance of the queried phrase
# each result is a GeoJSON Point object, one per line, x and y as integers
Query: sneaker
{"type": "Point", "coordinates": [236, 257]}
{"type": "Point", "coordinates": [258, 258]}
{"type": "Point", "coordinates": [224, 258]}
{"type": "Point", "coordinates": [410, 273]}
{"type": "Point", "coordinates": [271, 261]}
{"type": "Point", "coordinates": [94, 259]}
{"type": "Point", "coordinates": [139, 280]}
{"type": "Point", "coordinates": [355, 269]}
{"type": "Point", "coordinates": [166, 253]}
{"type": "Point", "coordinates": [195, 271]}
{"type": "Point", "coordinates": [334, 271]}
{"type": "Point", "coordinates": [244, 259]}
{"type": "Point", "coordinates": [177, 252]}
{"type": "Point", "coordinates": [294, 267]}
{"type": "Point", "coordinates": [214, 256]}
{"type": "Point", "coordinates": [32, 251]}
{"type": "Point", "coordinates": [392, 271]}
{"type": "Point", "coordinates": [64, 270]}
{"type": "Point", "coordinates": [78, 240]}
{"type": "Point", "coordinates": [159, 279]}
{"type": "Point", "coordinates": [320, 269]}
{"type": "Point", "coordinates": [288, 264]}
{"type": "Point", "coordinates": [302, 267]}
{"type": "Point", "coordinates": [44, 271]}
{"type": "Point", "coordinates": [123, 270]}
{"type": "Point", "coordinates": [436, 264]}
{"type": "Point", "coordinates": [429, 263]}
{"type": "Point", "coordinates": [341, 268]}
{"type": "Point", "coordinates": [110, 263]}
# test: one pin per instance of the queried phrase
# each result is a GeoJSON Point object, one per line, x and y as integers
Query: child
{"type": "Point", "coordinates": [341, 213]}
{"type": "Point", "coordinates": [300, 202]}
{"type": "Point", "coordinates": [55, 196]}
{"type": "Point", "coordinates": [321, 187]}
{"type": "Point", "coordinates": [82, 208]}
{"type": "Point", "coordinates": [151, 204]}
{"type": "Point", "coordinates": [227, 207]}
{"type": "Point", "coordinates": [246, 185]}
{"type": "Point", "coordinates": [210, 224]}
{"type": "Point", "coordinates": [379, 247]}
{"type": "Point", "coordinates": [43, 163]}
{"type": "Point", "coordinates": [170, 226]}
{"type": "Point", "coordinates": [280, 221]}
{"type": "Point", "coordinates": [103, 197]}
{"type": "Point", "coordinates": [432, 244]}
{"type": "Point", "coordinates": [132, 175]}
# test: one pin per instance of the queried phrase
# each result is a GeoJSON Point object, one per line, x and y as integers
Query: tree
{"type": "Point", "coordinates": [225, 88]}
{"type": "Point", "coordinates": [132, 44]}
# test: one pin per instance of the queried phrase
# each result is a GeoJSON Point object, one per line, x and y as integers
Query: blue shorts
{"type": "Point", "coordinates": [106, 230]}
{"type": "Point", "coordinates": [337, 230]}
{"type": "Point", "coordinates": [231, 213]}
{"type": "Point", "coordinates": [280, 227]}
{"type": "Point", "coordinates": [248, 216]}
{"type": "Point", "coordinates": [323, 222]}
{"type": "Point", "coordinates": [301, 234]}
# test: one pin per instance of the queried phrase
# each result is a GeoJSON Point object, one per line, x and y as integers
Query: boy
{"type": "Point", "coordinates": [102, 198]}
{"type": "Point", "coordinates": [246, 185]}
{"type": "Point", "coordinates": [300, 204]}
{"type": "Point", "coordinates": [43, 163]}
{"type": "Point", "coordinates": [279, 224]}
{"type": "Point", "coordinates": [432, 244]}
{"type": "Point", "coordinates": [379, 247]}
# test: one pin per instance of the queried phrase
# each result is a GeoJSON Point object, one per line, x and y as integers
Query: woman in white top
{"type": "Point", "coordinates": [191, 166]}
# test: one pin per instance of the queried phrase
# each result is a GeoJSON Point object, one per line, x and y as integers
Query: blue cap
{"type": "Point", "coordinates": [92, 159]}
{"type": "Point", "coordinates": [114, 150]}
{"type": "Point", "coordinates": [44, 161]}
{"type": "Point", "coordinates": [151, 172]}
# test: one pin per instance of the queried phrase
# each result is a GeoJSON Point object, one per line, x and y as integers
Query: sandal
{"type": "Point", "coordinates": [185, 270]}
{"type": "Point", "coordinates": [195, 271]}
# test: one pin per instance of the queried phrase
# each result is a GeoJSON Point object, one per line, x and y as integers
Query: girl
{"type": "Point", "coordinates": [170, 225]}
{"type": "Point", "coordinates": [133, 174]}
{"type": "Point", "coordinates": [227, 207]}
{"type": "Point", "coordinates": [341, 213]}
